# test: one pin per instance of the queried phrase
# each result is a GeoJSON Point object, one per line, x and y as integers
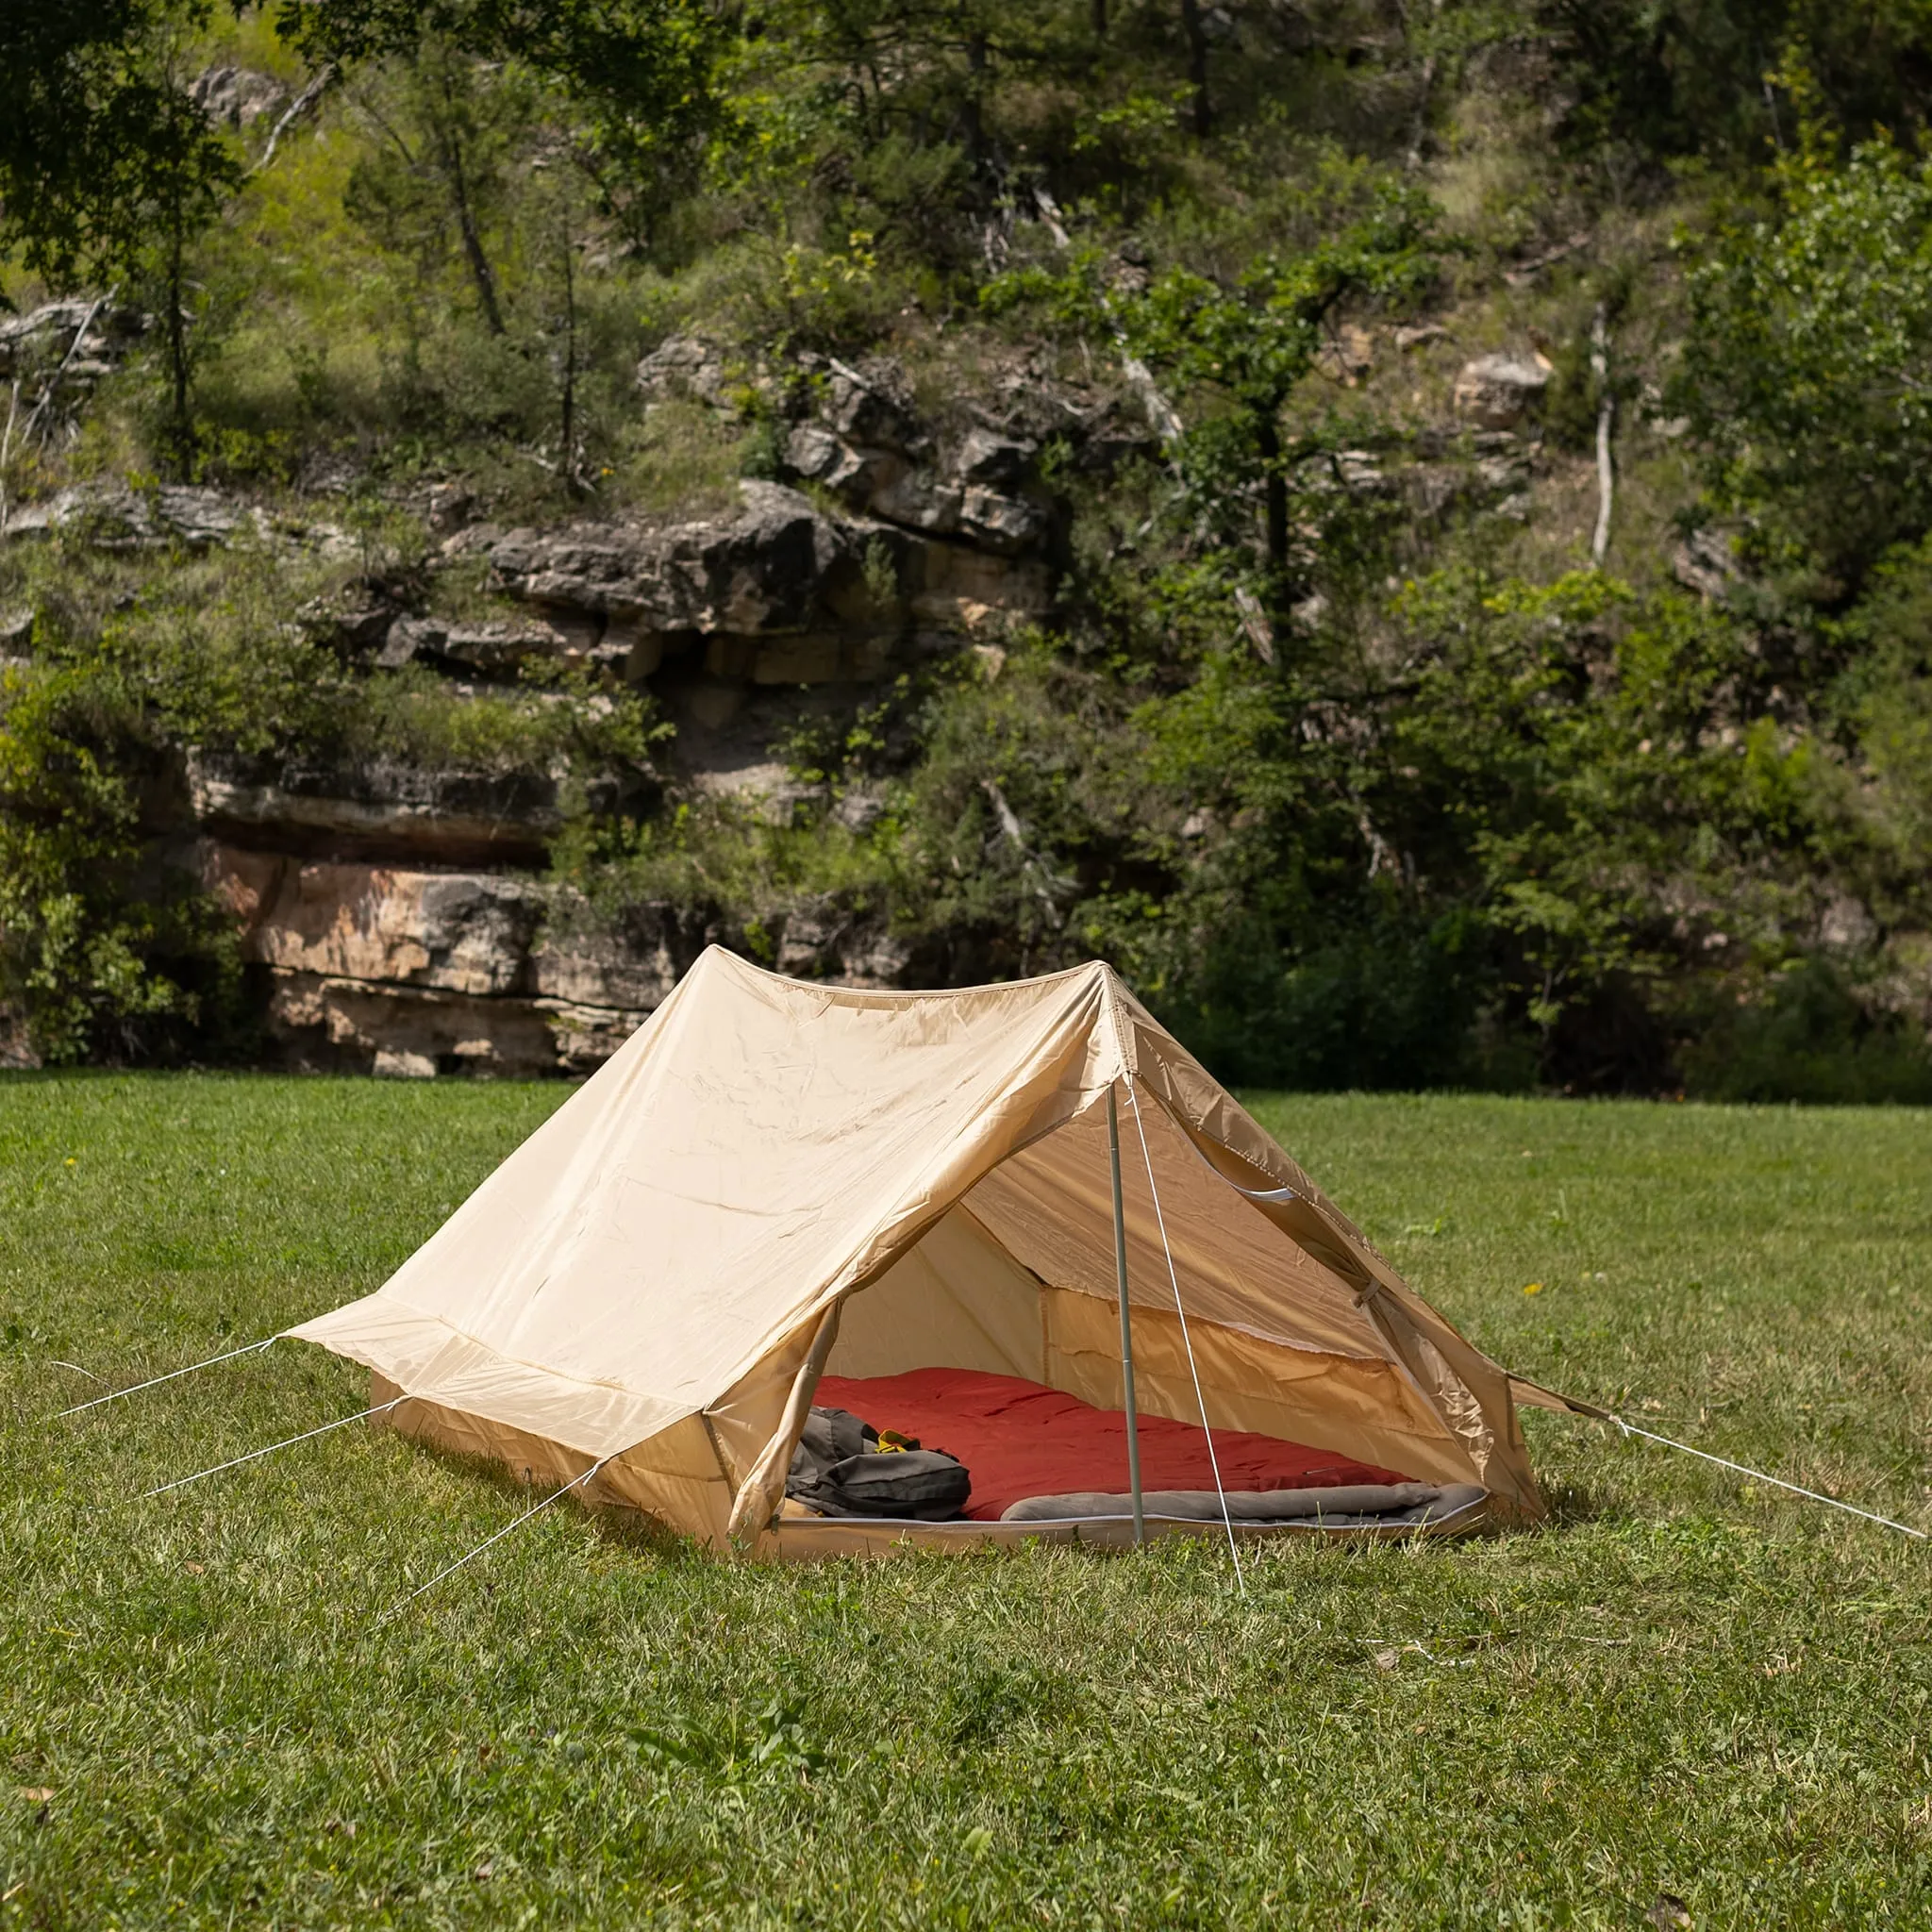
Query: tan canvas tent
{"type": "Point", "coordinates": [773, 1181]}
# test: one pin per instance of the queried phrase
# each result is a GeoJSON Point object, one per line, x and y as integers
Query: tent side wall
{"type": "Point", "coordinates": [1366, 1410]}
{"type": "Point", "coordinates": [674, 1477]}
{"type": "Point", "coordinates": [688, 1475]}
{"type": "Point", "coordinates": [1467, 1391]}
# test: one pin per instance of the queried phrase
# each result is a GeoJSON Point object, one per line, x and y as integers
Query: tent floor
{"type": "Point", "coordinates": [1021, 1439]}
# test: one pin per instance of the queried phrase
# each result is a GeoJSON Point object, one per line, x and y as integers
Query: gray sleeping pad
{"type": "Point", "coordinates": [1350, 1506]}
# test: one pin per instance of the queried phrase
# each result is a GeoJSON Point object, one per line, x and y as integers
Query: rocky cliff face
{"type": "Point", "coordinates": [415, 972]}
{"type": "Point", "coordinates": [394, 918]}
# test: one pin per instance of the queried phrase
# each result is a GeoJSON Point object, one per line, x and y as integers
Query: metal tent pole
{"type": "Point", "coordinates": [1120, 1266]}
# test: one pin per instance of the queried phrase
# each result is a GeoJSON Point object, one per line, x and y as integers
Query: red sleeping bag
{"type": "Point", "coordinates": [1018, 1440]}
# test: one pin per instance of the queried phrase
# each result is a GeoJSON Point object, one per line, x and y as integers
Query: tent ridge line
{"type": "Point", "coordinates": [1129, 1064]}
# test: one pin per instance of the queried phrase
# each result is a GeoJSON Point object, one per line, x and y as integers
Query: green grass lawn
{"type": "Point", "coordinates": [1683, 1685]}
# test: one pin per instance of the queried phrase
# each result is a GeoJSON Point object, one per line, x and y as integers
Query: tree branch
{"type": "Point", "coordinates": [1605, 417]}
{"type": "Point", "coordinates": [302, 104]}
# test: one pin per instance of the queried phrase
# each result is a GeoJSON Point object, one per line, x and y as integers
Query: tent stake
{"type": "Point", "coordinates": [1120, 1268]}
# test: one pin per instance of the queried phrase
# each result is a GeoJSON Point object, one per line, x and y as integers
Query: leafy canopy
{"type": "Point", "coordinates": [1809, 371]}
{"type": "Point", "coordinates": [98, 136]}
{"type": "Point", "coordinates": [644, 70]}
{"type": "Point", "coordinates": [1242, 346]}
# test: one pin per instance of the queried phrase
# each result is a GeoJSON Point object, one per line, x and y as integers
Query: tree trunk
{"type": "Point", "coordinates": [567, 454]}
{"type": "Point", "coordinates": [1606, 421]}
{"type": "Point", "coordinates": [1275, 516]}
{"type": "Point", "coordinates": [975, 85]}
{"type": "Point", "coordinates": [1426, 82]}
{"type": "Point", "coordinates": [1198, 65]}
{"type": "Point", "coordinates": [450, 153]}
{"type": "Point", "coordinates": [181, 430]}
{"type": "Point", "coordinates": [1100, 19]}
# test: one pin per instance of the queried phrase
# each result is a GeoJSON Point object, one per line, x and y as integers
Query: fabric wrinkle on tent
{"type": "Point", "coordinates": [775, 1179]}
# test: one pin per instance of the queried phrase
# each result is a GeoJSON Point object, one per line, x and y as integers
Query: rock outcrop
{"type": "Point", "coordinates": [238, 95]}
{"type": "Point", "coordinates": [380, 810]}
{"type": "Point", "coordinates": [1499, 392]}
{"type": "Point", "coordinates": [392, 970]}
{"type": "Point", "coordinates": [77, 342]}
{"type": "Point", "coordinates": [779, 592]}
{"type": "Point", "coordinates": [114, 517]}
{"type": "Point", "coordinates": [456, 932]}
{"type": "Point", "coordinates": [394, 916]}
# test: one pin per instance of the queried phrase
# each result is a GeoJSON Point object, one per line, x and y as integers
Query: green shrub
{"type": "Point", "coordinates": [107, 952]}
{"type": "Point", "coordinates": [1801, 373]}
{"type": "Point", "coordinates": [728, 858]}
{"type": "Point", "coordinates": [1397, 1006]}
{"type": "Point", "coordinates": [1809, 1037]}
{"type": "Point", "coordinates": [567, 727]}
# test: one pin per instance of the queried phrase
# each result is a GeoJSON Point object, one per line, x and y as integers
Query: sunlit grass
{"type": "Point", "coordinates": [1681, 1686]}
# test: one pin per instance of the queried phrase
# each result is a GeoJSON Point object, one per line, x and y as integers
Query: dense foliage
{"type": "Point", "coordinates": [1337, 739]}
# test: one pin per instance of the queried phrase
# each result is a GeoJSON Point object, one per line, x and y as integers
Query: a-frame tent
{"type": "Point", "coordinates": [774, 1179]}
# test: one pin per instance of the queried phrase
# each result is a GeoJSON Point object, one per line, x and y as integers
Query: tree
{"type": "Point", "coordinates": [1674, 78]}
{"type": "Point", "coordinates": [450, 137]}
{"type": "Point", "coordinates": [1251, 344]}
{"type": "Point", "coordinates": [643, 70]}
{"type": "Point", "coordinates": [103, 961]}
{"type": "Point", "coordinates": [108, 170]}
{"type": "Point", "coordinates": [1807, 374]}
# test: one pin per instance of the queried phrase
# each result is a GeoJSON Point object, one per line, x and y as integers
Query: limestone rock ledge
{"type": "Point", "coordinates": [322, 1024]}
{"type": "Point", "coordinates": [392, 914]}
{"type": "Point", "coordinates": [380, 810]}
{"type": "Point", "coordinates": [415, 972]}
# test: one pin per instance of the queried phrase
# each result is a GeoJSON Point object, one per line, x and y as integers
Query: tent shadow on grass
{"type": "Point", "coordinates": [620, 1525]}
